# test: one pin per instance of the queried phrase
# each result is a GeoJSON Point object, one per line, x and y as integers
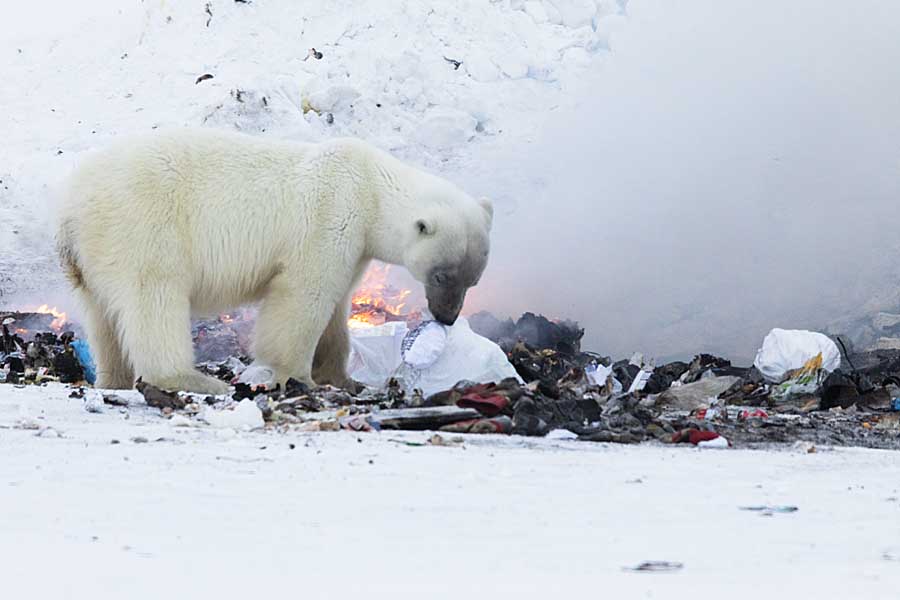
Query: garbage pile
{"type": "Point", "coordinates": [801, 390]}
{"type": "Point", "coordinates": [527, 377]}
{"type": "Point", "coordinates": [34, 348]}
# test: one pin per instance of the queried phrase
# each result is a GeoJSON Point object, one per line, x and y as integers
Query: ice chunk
{"type": "Point", "coordinates": [93, 401]}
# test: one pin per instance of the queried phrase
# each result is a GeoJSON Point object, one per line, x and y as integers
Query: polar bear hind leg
{"type": "Point", "coordinates": [156, 330]}
{"type": "Point", "coordinates": [113, 369]}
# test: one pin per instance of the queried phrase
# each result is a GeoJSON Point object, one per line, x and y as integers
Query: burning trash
{"type": "Point", "coordinates": [36, 347]}
{"type": "Point", "coordinates": [526, 377]}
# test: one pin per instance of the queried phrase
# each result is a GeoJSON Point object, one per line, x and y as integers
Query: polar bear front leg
{"type": "Point", "coordinates": [293, 316]}
{"type": "Point", "coordinates": [330, 362]}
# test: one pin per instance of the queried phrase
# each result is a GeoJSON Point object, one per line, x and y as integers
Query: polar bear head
{"type": "Point", "coordinates": [448, 247]}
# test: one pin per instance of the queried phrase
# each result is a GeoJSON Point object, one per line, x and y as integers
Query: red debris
{"type": "Point", "coordinates": [694, 436]}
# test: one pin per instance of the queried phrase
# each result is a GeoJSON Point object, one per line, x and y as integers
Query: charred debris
{"type": "Point", "coordinates": [565, 392]}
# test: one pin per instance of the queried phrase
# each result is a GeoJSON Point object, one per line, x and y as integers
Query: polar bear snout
{"type": "Point", "coordinates": [445, 303]}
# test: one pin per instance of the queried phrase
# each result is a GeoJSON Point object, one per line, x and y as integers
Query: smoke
{"type": "Point", "coordinates": [730, 167]}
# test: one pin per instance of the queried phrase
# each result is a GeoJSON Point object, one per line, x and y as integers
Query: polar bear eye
{"type": "Point", "coordinates": [424, 227]}
{"type": "Point", "coordinates": [439, 279]}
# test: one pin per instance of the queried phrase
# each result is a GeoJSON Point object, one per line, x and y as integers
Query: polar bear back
{"type": "Point", "coordinates": [221, 212]}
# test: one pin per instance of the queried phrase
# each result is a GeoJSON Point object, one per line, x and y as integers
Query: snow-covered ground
{"type": "Point", "coordinates": [196, 512]}
{"type": "Point", "coordinates": [443, 84]}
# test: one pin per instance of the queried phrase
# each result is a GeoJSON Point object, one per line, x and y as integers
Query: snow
{"type": "Point", "coordinates": [102, 501]}
{"type": "Point", "coordinates": [76, 77]}
{"type": "Point", "coordinates": [189, 511]}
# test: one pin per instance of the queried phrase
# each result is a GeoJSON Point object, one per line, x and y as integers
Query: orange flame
{"type": "Point", "coordinates": [60, 319]}
{"type": "Point", "coordinates": [376, 301]}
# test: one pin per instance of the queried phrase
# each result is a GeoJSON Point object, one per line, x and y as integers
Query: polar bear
{"type": "Point", "coordinates": [159, 228]}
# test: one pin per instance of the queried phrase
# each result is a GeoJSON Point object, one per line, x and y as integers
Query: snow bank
{"type": "Point", "coordinates": [427, 81]}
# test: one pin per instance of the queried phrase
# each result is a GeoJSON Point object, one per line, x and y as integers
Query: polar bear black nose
{"type": "Point", "coordinates": [445, 303]}
{"type": "Point", "coordinates": [447, 320]}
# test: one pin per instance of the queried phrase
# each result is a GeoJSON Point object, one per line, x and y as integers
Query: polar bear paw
{"type": "Point", "coordinates": [194, 382]}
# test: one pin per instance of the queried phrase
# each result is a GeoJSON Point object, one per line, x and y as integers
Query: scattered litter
{"type": "Point", "coordinates": [114, 400]}
{"type": "Point", "coordinates": [656, 566]}
{"type": "Point", "coordinates": [245, 415]}
{"type": "Point", "coordinates": [768, 511]}
{"type": "Point", "coordinates": [93, 402]}
{"type": "Point", "coordinates": [83, 354]}
{"type": "Point", "coordinates": [483, 399]}
{"type": "Point", "coordinates": [158, 398]}
{"type": "Point", "coordinates": [502, 424]}
{"type": "Point", "coordinates": [439, 440]}
{"type": "Point", "coordinates": [313, 53]}
{"type": "Point", "coordinates": [409, 443]}
{"type": "Point", "coordinates": [423, 418]}
{"type": "Point", "coordinates": [640, 381]}
{"type": "Point", "coordinates": [485, 375]}
{"type": "Point", "coordinates": [561, 434]}
{"type": "Point", "coordinates": [256, 374]}
{"type": "Point", "coordinates": [48, 432]}
{"type": "Point", "coordinates": [805, 381]}
{"type": "Point", "coordinates": [693, 395]}
{"type": "Point", "coordinates": [178, 420]}
{"type": "Point", "coordinates": [785, 350]}
{"type": "Point", "coordinates": [695, 436]}
{"type": "Point", "coordinates": [312, 426]}
{"type": "Point", "coordinates": [718, 442]}
{"type": "Point", "coordinates": [805, 447]}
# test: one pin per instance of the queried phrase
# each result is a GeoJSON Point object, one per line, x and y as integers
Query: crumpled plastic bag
{"type": "Point", "coordinates": [375, 352]}
{"type": "Point", "coordinates": [602, 376]}
{"type": "Point", "coordinates": [423, 345]}
{"type": "Point", "coordinates": [256, 374]}
{"type": "Point", "coordinates": [83, 355]}
{"type": "Point", "coordinates": [786, 350]}
{"type": "Point", "coordinates": [425, 359]}
{"type": "Point", "coordinates": [808, 379]}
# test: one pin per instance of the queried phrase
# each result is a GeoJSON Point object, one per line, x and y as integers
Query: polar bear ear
{"type": "Point", "coordinates": [424, 227]}
{"type": "Point", "coordinates": [488, 207]}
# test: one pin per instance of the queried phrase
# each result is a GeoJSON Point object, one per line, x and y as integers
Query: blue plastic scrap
{"type": "Point", "coordinates": [83, 354]}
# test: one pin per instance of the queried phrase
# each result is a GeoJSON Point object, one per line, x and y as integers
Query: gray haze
{"type": "Point", "coordinates": [732, 167]}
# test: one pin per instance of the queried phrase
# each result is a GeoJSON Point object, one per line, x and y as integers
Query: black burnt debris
{"type": "Point", "coordinates": [565, 393]}
{"type": "Point", "coordinates": [35, 347]}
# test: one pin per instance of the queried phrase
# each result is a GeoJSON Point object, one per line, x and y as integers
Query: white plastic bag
{"type": "Point", "coordinates": [467, 356]}
{"type": "Point", "coordinates": [784, 350]}
{"type": "Point", "coordinates": [424, 345]}
{"type": "Point", "coordinates": [432, 357]}
{"type": "Point", "coordinates": [600, 375]}
{"type": "Point", "coordinates": [256, 374]}
{"type": "Point", "coordinates": [375, 352]}
{"type": "Point", "coordinates": [435, 359]}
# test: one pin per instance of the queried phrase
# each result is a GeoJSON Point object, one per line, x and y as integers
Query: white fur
{"type": "Point", "coordinates": [159, 228]}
